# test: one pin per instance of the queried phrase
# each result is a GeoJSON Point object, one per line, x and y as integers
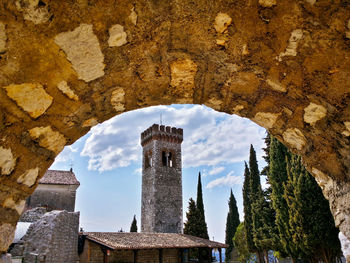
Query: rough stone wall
{"type": "Point", "coordinates": [68, 65]}
{"type": "Point", "coordinates": [54, 197]}
{"type": "Point", "coordinates": [161, 204]}
{"type": "Point", "coordinates": [32, 215]}
{"type": "Point", "coordinates": [54, 237]}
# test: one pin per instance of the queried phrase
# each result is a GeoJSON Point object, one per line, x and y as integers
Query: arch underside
{"type": "Point", "coordinates": [67, 65]}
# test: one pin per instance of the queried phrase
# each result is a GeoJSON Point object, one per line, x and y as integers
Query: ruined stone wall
{"type": "Point", "coordinates": [161, 208]}
{"type": "Point", "coordinates": [54, 238]}
{"type": "Point", "coordinates": [67, 65]}
{"type": "Point", "coordinates": [54, 197]}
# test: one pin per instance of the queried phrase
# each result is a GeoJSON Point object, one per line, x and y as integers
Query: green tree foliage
{"type": "Point", "coordinates": [311, 224]}
{"type": "Point", "coordinates": [266, 157]}
{"type": "Point", "coordinates": [247, 207]}
{"type": "Point", "coordinates": [203, 229]}
{"type": "Point", "coordinates": [232, 223]}
{"type": "Point", "coordinates": [133, 227]}
{"type": "Point", "coordinates": [191, 226]}
{"type": "Point", "coordinates": [277, 177]}
{"type": "Point", "coordinates": [305, 225]}
{"type": "Point", "coordinates": [259, 207]}
{"type": "Point", "coordinates": [240, 243]}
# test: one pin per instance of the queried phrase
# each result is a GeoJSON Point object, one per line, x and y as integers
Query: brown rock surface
{"type": "Point", "coordinates": [273, 60]}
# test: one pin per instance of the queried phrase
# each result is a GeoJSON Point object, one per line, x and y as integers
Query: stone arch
{"type": "Point", "coordinates": [67, 65]}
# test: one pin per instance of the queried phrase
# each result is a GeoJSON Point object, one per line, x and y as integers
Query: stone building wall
{"type": "Point", "coordinates": [54, 238]}
{"type": "Point", "coordinates": [93, 254]}
{"type": "Point", "coordinates": [54, 197]}
{"type": "Point", "coordinates": [161, 184]}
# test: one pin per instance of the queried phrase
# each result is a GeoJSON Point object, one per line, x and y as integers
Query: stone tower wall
{"type": "Point", "coordinates": [161, 185]}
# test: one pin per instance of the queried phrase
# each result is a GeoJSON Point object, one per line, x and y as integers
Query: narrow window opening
{"type": "Point", "coordinates": [164, 158]}
{"type": "Point", "coordinates": [170, 159]}
{"type": "Point", "coordinates": [148, 160]}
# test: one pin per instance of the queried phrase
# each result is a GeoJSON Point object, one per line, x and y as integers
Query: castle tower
{"type": "Point", "coordinates": [161, 208]}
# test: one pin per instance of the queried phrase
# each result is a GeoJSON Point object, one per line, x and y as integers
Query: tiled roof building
{"type": "Point", "coordinates": [56, 191]}
{"type": "Point", "coordinates": [143, 247]}
{"type": "Point", "coordinates": [59, 177]}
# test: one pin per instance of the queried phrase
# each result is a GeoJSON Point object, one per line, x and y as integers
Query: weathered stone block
{"type": "Point", "coordinates": [117, 36]}
{"type": "Point", "coordinates": [222, 22]}
{"type": "Point", "coordinates": [83, 51]}
{"type": "Point", "coordinates": [29, 177]}
{"type": "Point", "coordinates": [31, 97]}
{"type": "Point", "coordinates": [48, 138]}
{"type": "Point", "coordinates": [7, 161]}
{"type": "Point", "coordinates": [295, 138]}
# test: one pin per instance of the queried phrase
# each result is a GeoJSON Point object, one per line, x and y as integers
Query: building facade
{"type": "Point", "coordinates": [96, 247]}
{"type": "Point", "coordinates": [161, 204]}
{"type": "Point", "coordinates": [56, 191]}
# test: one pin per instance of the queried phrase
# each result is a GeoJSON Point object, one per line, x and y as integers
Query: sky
{"type": "Point", "coordinates": [107, 161]}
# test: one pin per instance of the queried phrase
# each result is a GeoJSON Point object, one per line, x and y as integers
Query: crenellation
{"type": "Point", "coordinates": [162, 132]}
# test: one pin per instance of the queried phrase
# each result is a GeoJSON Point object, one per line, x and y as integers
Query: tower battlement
{"type": "Point", "coordinates": [162, 132]}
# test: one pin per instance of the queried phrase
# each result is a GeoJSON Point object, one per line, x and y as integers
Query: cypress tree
{"type": "Point", "coordinates": [266, 157]}
{"type": "Point", "coordinates": [203, 232]}
{"type": "Point", "coordinates": [240, 243]}
{"type": "Point", "coordinates": [191, 226]}
{"type": "Point", "coordinates": [133, 227]}
{"type": "Point", "coordinates": [277, 177]}
{"type": "Point", "coordinates": [232, 223]}
{"type": "Point", "coordinates": [257, 200]}
{"type": "Point", "coordinates": [247, 206]}
{"type": "Point", "coordinates": [311, 223]}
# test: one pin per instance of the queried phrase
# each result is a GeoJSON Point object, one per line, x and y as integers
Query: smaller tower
{"type": "Point", "coordinates": [161, 210]}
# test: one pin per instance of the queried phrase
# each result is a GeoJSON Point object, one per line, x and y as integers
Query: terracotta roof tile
{"type": "Point", "coordinates": [59, 177]}
{"type": "Point", "coordinates": [117, 240]}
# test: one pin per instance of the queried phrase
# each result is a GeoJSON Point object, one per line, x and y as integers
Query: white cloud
{"type": "Point", "coordinates": [228, 180]}
{"type": "Point", "coordinates": [216, 170]}
{"type": "Point", "coordinates": [210, 138]}
{"type": "Point", "coordinates": [138, 171]}
{"type": "Point", "coordinates": [66, 156]}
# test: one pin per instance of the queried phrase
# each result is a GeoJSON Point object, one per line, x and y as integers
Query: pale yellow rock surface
{"type": "Point", "coordinates": [314, 113]}
{"type": "Point", "coordinates": [117, 36]}
{"type": "Point", "coordinates": [276, 85]}
{"type": "Point", "coordinates": [295, 138]}
{"type": "Point", "coordinates": [311, 2]}
{"type": "Point", "coordinates": [31, 97]}
{"type": "Point", "coordinates": [29, 177]}
{"type": "Point", "coordinates": [266, 119]}
{"type": "Point", "coordinates": [214, 103]}
{"type": "Point", "coordinates": [18, 206]}
{"type": "Point", "coordinates": [222, 22]}
{"type": "Point", "coordinates": [347, 126]}
{"type": "Point", "coordinates": [267, 3]}
{"type": "Point", "coordinates": [83, 51]}
{"type": "Point", "coordinates": [7, 233]}
{"type": "Point", "coordinates": [32, 11]}
{"type": "Point", "coordinates": [7, 161]}
{"type": "Point", "coordinates": [133, 16]}
{"type": "Point", "coordinates": [3, 38]}
{"type": "Point", "coordinates": [49, 139]}
{"type": "Point", "coordinates": [90, 122]}
{"type": "Point", "coordinates": [182, 81]}
{"type": "Point", "coordinates": [291, 49]}
{"type": "Point", "coordinates": [321, 178]}
{"type": "Point", "coordinates": [118, 99]}
{"type": "Point", "coordinates": [63, 86]}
